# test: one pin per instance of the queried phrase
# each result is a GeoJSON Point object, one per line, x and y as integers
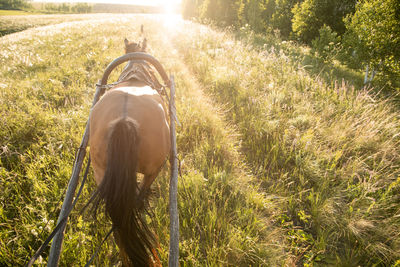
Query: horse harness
{"type": "Point", "coordinates": [140, 70]}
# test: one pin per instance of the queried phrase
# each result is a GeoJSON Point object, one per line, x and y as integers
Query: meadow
{"type": "Point", "coordinates": [17, 23]}
{"type": "Point", "coordinates": [279, 166]}
{"type": "Point", "coordinates": [13, 12]}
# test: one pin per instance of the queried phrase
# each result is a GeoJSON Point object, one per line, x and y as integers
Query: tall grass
{"type": "Point", "coordinates": [278, 167]}
{"type": "Point", "coordinates": [47, 84]}
{"type": "Point", "coordinates": [328, 149]}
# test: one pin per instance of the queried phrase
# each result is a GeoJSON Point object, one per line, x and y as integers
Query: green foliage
{"type": "Point", "coordinates": [353, 52]}
{"type": "Point", "coordinates": [13, 4]}
{"type": "Point", "coordinates": [81, 8]}
{"type": "Point", "coordinates": [282, 16]}
{"type": "Point", "coordinates": [222, 12]}
{"type": "Point", "coordinates": [311, 15]}
{"type": "Point", "coordinates": [374, 35]}
{"type": "Point", "coordinates": [326, 45]}
{"type": "Point", "coordinates": [254, 15]}
{"type": "Point", "coordinates": [368, 36]}
{"type": "Point", "coordinates": [57, 8]}
{"type": "Point", "coordinates": [305, 21]}
{"type": "Point", "coordinates": [67, 8]}
{"type": "Point", "coordinates": [51, 7]}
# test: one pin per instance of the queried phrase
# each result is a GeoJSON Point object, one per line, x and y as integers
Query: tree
{"type": "Point", "coordinates": [65, 8]}
{"type": "Point", "coordinates": [310, 15]}
{"type": "Point", "coordinates": [210, 10]}
{"type": "Point", "coordinates": [51, 7]}
{"type": "Point", "coordinates": [254, 15]}
{"type": "Point", "coordinates": [190, 8]}
{"type": "Point", "coordinates": [81, 8]}
{"type": "Point", "coordinates": [222, 12]}
{"type": "Point", "coordinates": [326, 45]}
{"type": "Point", "coordinates": [374, 34]}
{"type": "Point", "coordinates": [230, 10]}
{"type": "Point", "coordinates": [282, 15]}
{"type": "Point", "coordinates": [13, 4]}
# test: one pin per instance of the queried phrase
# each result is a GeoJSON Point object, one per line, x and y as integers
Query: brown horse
{"type": "Point", "coordinates": [129, 134]}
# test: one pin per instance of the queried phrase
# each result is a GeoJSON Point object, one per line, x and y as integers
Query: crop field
{"type": "Point", "coordinates": [279, 167]}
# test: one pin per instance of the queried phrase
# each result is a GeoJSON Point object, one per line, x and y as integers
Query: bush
{"type": "Point", "coordinates": [305, 21]}
{"type": "Point", "coordinates": [282, 16]}
{"type": "Point", "coordinates": [311, 15]}
{"type": "Point", "coordinates": [326, 46]}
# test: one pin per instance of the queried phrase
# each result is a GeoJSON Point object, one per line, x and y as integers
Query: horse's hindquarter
{"type": "Point", "coordinates": [143, 105]}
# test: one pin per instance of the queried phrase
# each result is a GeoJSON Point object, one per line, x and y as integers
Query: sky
{"type": "Point", "coordinates": [133, 2]}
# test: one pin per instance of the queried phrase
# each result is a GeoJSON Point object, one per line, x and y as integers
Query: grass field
{"type": "Point", "coordinates": [17, 23]}
{"type": "Point", "coordinates": [13, 12]}
{"type": "Point", "coordinates": [279, 167]}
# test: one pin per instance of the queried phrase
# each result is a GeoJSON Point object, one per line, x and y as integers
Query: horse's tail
{"type": "Point", "coordinates": [119, 192]}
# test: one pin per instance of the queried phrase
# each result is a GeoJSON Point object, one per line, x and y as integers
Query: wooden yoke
{"type": "Point", "coordinates": [136, 56]}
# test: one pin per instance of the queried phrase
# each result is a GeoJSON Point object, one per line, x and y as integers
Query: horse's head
{"type": "Point", "coordinates": [131, 47]}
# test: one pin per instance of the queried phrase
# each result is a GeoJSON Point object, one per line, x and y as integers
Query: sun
{"type": "Point", "coordinates": [171, 17]}
{"type": "Point", "coordinates": [170, 7]}
{"type": "Point", "coordinates": [167, 8]}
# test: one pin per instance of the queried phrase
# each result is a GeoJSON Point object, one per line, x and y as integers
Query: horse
{"type": "Point", "coordinates": [129, 134]}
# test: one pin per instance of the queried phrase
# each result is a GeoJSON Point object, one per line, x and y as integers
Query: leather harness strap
{"type": "Point", "coordinates": [140, 70]}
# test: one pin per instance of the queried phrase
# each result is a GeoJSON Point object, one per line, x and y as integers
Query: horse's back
{"type": "Point", "coordinates": [145, 107]}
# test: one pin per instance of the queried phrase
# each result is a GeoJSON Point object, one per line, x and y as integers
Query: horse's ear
{"type": "Point", "coordinates": [126, 42]}
{"type": "Point", "coordinates": [144, 44]}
